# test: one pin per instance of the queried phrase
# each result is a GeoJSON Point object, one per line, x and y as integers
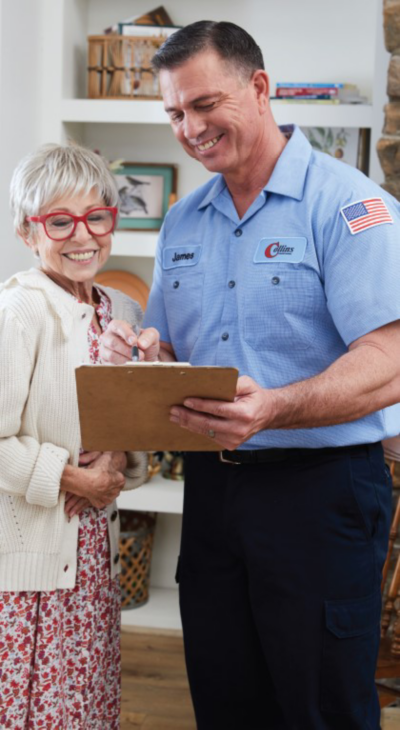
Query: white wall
{"type": "Point", "coordinates": [20, 30]}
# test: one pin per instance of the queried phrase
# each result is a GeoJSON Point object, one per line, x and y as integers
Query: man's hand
{"type": "Point", "coordinates": [233, 423]}
{"type": "Point", "coordinates": [117, 341]}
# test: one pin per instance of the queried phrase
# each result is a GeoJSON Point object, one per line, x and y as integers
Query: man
{"type": "Point", "coordinates": [284, 265]}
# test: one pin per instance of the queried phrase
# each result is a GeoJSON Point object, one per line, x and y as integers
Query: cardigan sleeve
{"type": "Point", "coordinates": [27, 468]}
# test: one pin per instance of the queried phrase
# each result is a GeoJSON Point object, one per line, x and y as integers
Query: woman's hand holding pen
{"type": "Point", "coordinates": [118, 340]}
{"type": "Point", "coordinates": [98, 484]}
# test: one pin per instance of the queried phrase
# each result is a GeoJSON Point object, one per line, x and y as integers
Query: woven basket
{"type": "Point", "coordinates": [120, 67]}
{"type": "Point", "coordinates": [135, 549]}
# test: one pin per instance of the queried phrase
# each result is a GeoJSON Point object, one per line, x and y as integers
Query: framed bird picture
{"type": "Point", "coordinates": [146, 191]}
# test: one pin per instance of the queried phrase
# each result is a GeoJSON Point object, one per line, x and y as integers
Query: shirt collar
{"type": "Point", "coordinates": [216, 188]}
{"type": "Point", "coordinates": [289, 174]}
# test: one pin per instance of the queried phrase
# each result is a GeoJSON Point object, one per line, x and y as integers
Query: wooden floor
{"type": "Point", "coordinates": [155, 692]}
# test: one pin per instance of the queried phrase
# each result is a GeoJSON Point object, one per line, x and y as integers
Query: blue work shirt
{"type": "Point", "coordinates": [281, 293]}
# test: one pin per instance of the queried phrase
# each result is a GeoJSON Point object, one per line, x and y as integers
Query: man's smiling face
{"type": "Point", "coordinates": [214, 112]}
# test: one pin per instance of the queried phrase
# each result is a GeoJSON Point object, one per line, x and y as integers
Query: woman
{"type": "Point", "coordinates": [59, 595]}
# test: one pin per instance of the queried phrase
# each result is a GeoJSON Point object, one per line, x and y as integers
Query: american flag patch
{"type": "Point", "coordinates": [366, 214]}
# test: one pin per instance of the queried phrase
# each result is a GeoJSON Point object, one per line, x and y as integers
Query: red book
{"type": "Point", "coordinates": [306, 91]}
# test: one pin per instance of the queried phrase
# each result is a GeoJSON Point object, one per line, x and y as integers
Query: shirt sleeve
{"type": "Point", "coordinates": [361, 272]}
{"type": "Point", "coordinates": [27, 468]}
{"type": "Point", "coordinates": [155, 314]}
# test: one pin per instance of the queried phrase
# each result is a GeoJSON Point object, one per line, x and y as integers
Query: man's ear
{"type": "Point", "coordinates": [260, 81]}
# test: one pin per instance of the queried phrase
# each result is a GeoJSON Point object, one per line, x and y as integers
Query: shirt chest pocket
{"type": "Point", "coordinates": [279, 310]}
{"type": "Point", "coordinates": [183, 298]}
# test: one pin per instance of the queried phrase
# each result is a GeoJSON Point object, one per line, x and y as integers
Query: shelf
{"type": "Point", "coordinates": [152, 112]}
{"type": "Point", "coordinates": [135, 243]}
{"type": "Point", "coordinates": [157, 495]}
{"type": "Point", "coordinates": [160, 612]}
{"type": "Point", "coordinates": [323, 115]}
{"type": "Point", "coordinates": [113, 111]}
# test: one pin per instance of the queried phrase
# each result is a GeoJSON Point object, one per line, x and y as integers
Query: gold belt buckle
{"type": "Point", "coordinates": [227, 461]}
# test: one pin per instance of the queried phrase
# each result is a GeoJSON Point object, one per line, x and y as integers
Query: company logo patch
{"type": "Point", "coordinates": [365, 214]}
{"type": "Point", "coordinates": [280, 249]}
{"type": "Point", "coordinates": [174, 256]}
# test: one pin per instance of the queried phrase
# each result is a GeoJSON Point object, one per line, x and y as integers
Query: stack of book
{"type": "Point", "coordinates": [154, 23]}
{"type": "Point", "coordinates": [318, 93]}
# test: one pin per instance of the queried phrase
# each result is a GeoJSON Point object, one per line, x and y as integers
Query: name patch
{"type": "Point", "coordinates": [174, 256]}
{"type": "Point", "coordinates": [280, 249]}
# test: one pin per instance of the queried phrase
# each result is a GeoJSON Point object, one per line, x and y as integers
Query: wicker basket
{"type": "Point", "coordinates": [135, 549]}
{"type": "Point", "coordinates": [120, 67]}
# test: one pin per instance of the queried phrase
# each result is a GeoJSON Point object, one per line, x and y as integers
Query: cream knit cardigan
{"type": "Point", "coordinates": [43, 338]}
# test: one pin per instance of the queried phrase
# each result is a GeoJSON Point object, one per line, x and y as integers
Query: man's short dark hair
{"type": "Point", "coordinates": [230, 41]}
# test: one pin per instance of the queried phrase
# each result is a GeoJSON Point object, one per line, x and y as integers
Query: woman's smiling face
{"type": "Point", "coordinates": [79, 258]}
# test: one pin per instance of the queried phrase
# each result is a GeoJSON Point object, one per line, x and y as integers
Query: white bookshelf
{"type": "Point", "coordinates": [157, 495]}
{"type": "Point", "coordinates": [135, 243]}
{"type": "Point", "coordinates": [102, 111]}
{"type": "Point", "coordinates": [97, 111]}
{"type": "Point", "coordinates": [160, 612]}
{"type": "Point", "coordinates": [323, 115]}
{"type": "Point", "coordinates": [300, 42]}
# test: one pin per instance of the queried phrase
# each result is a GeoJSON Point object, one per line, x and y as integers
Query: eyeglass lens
{"type": "Point", "coordinates": [98, 222]}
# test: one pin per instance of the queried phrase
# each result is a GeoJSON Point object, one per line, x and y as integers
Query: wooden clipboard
{"type": "Point", "coordinates": [126, 407]}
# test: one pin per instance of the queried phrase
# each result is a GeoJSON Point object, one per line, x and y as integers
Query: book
{"type": "Point", "coordinates": [158, 16]}
{"type": "Point", "coordinates": [309, 85]}
{"type": "Point", "coordinates": [306, 90]}
{"type": "Point", "coordinates": [305, 97]}
{"type": "Point", "coordinates": [303, 100]}
{"type": "Point", "coordinates": [163, 31]}
{"type": "Point", "coordinates": [126, 407]}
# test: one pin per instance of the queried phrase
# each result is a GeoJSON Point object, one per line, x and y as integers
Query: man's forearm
{"type": "Point", "coordinates": [361, 382]}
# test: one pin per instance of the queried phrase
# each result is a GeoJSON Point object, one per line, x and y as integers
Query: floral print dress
{"type": "Point", "coordinates": [60, 650]}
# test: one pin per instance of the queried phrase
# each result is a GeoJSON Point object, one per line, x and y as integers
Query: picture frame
{"type": "Point", "coordinates": [147, 191]}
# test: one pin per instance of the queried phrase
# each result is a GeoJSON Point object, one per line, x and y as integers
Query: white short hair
{"type": "Point", "coordinates": [54, 171]}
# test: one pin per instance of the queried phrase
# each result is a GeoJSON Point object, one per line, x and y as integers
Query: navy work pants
{"type": "Point", "coordinates": [279, 573]}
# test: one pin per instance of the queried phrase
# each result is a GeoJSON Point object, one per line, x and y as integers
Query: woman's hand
{"type": "Point", "coordinates": [117, 341]}
{"type": "Point", "coordinates": [99, 483]}
{"type": "Point", "coordinates": [74, 505]}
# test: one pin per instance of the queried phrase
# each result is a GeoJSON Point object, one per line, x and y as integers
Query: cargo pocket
{"type": "Point", "coordinates": [350, 648]}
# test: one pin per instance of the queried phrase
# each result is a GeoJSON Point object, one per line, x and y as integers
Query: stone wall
{"type": "Point", "coordinates": [388, 147]}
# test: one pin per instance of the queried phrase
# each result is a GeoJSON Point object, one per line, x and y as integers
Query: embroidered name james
{"type": "Point", "coordinates": [180, 256]}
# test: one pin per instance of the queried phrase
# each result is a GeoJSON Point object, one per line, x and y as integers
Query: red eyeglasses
{"type": "Point", "coordinates": [60, 226]}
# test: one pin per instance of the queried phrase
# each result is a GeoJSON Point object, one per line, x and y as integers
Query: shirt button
{"type": "Point", "coordinates": [231, 284]}
{"type": "Point", "coordinates": [225, 336]}
{"type": "Point", "coordinates": [83, 316]}
{"type": "Point", "coordinates": [275, 279]}
{"type": "Point", "coordinates": [176, 284]}
{"type": "Point", "coordinates": [116, 559]}
{"type": "Point", "coordinates": [66, 568]}
{"type": "Point", "coordinates": [114, 516]}
{"type": "Point", "coordinates": [238, 232]}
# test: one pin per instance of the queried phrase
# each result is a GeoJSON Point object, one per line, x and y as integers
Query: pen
{"type": "Point", "coordinates": [135, 349]}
